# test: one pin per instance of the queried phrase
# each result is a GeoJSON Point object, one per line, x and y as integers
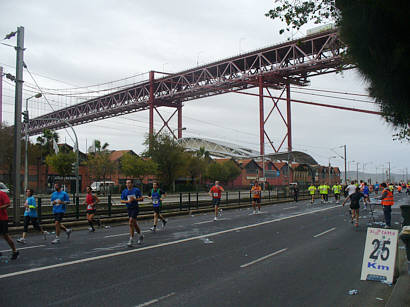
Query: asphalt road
{"type": "Point", "coordinates": [292, 254]}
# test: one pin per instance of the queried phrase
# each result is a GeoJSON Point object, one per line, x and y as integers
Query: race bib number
{"type": "Point", "coordinates": [215, 194]}
{"type": "Point", "coordinates": [155, 201]}
{"type": "Point", "coordinates": [89, 207]}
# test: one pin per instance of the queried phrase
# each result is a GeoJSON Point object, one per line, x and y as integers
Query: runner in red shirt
{"type": "Point", "coordinates": [216, 192]}
{"type": "Point", "coordinates": [4, 222]}
{"type": "Point", "coordinates": [91, 201]}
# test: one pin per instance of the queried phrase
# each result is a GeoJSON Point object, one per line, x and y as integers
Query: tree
{"type": "Point", "coordinates": [45, 141]}
{"type": "Point", "coordinates": [62, 163]}
{"type": "Point", "coordinates": [135, 167]}
{"type": "Point", "coordinates": [225, 171]}
{"type": "Point", "coordinates": [195, 166]}
{"type": "Point", "coordinates": [169, 155]}
{"type": "Point", "coordinates": [372, 31]}
{"type": "Point", "coordinates": [100, 165]}
{"type": "Point", "coordinates": [7, 149]}
{"type": "Point", "coordinates": [232, 171]}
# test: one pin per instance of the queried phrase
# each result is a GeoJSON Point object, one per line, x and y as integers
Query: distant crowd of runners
{"type": "Point", "coordinates": [131, 195]}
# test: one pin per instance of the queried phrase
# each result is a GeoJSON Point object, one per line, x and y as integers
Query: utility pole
{"type": "Point", "coordinates": [345, 164]}
{"type": "Point", "coordinates": [389, 172]}
{"type": "Point", "coordinates": [17, 124]}
{"type": "Point", "coordinates": [357, 172]}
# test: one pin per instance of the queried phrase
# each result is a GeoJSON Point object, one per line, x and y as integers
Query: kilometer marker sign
{"type": "Point", "coordinates": [380, 254]}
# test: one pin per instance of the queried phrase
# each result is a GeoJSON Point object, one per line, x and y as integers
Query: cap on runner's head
{"type": "Point", "coordinates": [384, 185]}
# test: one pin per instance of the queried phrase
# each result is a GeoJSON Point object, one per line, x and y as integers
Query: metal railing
{"type": "Point", "coordinates": [110, 206]}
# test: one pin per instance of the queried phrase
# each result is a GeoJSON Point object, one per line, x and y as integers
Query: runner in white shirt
{"type": "Point", "coordinates": [351, 188]}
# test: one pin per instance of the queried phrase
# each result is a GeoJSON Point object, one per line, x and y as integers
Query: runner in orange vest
{"type": "Point", "coordinates": [387, 203]}
{"type": "Point", "coordinates": [256, 197]}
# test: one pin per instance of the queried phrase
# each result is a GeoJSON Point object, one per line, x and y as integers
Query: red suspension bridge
{"type": "Point", "coordinates": [275, 67]}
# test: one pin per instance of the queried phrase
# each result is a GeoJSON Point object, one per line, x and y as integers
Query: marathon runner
{"type": "Point", "coordinates": [157, 194]}
{"type": "Point", "coordinates": [4, 224]}
{"type": "Point", "coordinates": [256, 197]}
{"type": "Point", "coordinates": [59, 200]}
{"type": "Point", "coordinates": [312, 190]}
{"type": "Point", "coordinates": [216, 192]}
{"type": "Point", "coordinates": [376, 188]}
{"type": "Point", "coordinates": [130, 196]}
{"type": "Point", "coordinates": [91, 201]}
{"type": "Point", "coordinates": [354, 205]}
{"type": "Point", "coordinates": [336, 190]}
{"type": "Point", "coordinates": [30, 214]}
{"type": "Point", "coordinates": [366, 193]}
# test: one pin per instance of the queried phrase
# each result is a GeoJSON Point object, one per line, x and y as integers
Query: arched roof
{"type": "Point", "coordinates": [217, 148]}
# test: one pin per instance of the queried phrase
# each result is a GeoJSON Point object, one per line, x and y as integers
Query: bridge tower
{"type": "Point", "coordinates": [153, 107]}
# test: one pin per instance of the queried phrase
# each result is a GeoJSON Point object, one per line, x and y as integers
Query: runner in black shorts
{"type": "Point", "coordinates": [130, 196]}
{"type": "Point", "coordinates": [354, 205]}
{"type": "Point", "coordinates": [91, 201]}
{"type": "Point", "coordinates": [216, 192]}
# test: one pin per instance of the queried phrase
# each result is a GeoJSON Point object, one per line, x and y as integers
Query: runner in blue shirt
{"type": "Point", "coordinates": [376, 188]}
{"type": "Point", "coordinates": [59, 200]}
{"type": "Point", "coordinates": [157, 194]}
{"type": "Point", "coordinates": [366, 193]}
{"type": "Point", "coordinates": [130, 196]}
{"type": "Point", "coordinates": [30, 214]}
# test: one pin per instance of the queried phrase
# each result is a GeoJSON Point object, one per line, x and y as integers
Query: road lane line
{"type": "Point", "coordinates": [204, 222]}
{"type": "Point", "coordinates": [263, 258]}
{"type": "Point", "coordinates": [290, 208]}
{"type": "Point", "coordinates": [159, 245]}
{"type": "Point", "coordinates": [155, 300]}
{"type": "Point", "coordinates": [28, 247]}
{"type": "Point", "coordinates": [325, 232]}
{"type": "Point", "coordinates": [124, 234]}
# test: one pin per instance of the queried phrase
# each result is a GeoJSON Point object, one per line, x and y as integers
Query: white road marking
{"type": "Point", "coordinates": [211, 221]}
{"type": "Point", "coordinates": [290, 208]}
{"type": "Point", "coordinates": [203, 222]}
{"type": "Point", "coordinates": [28, 247]}
{"type": "Point", "coordinates": [156, 300]}
{"type": "Point", "coordinates": [68, 263]}
{"type": "Point", "coordinates": [263, 258]}
{"type": "Point", "coordinates": [124, 234]}
{"type": "Point", "coordinates": [325, 232]}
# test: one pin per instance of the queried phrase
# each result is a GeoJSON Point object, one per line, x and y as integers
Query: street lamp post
{"type": "Point", "coordinates": [179, 129]}
{"type": "Point", "coordinates": [27, 122]}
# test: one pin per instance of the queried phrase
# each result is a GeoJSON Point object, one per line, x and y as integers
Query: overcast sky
{"type": "Point", "coordinates": [80, 43]}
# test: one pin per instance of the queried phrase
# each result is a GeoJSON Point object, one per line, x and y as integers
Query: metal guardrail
{"type": "Point", "coordinates": [110, 205]}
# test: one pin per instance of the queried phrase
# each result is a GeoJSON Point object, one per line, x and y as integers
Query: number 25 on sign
{"type": "Point", "coordinates": [379, 254]}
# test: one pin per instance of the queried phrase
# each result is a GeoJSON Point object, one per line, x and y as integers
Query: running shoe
{"type": "Point", "coordinates": [68, 233]}
{"type": "Point", "coordinates": [153, 229]}
{"type": "Point", "coordinates": [254, 211]}
{"type": "Point", "coordinates": [129, 242]}
{"type": "Point", "coordinates": [259, 211]}
{"type": "Point", "coordinates": [164, 222]}
{"type": "Point", "coordinates": [55, 241]}
{"type": "Point", "coordinates": [91, 229]}
{"type": "Point", "coordinates": [15, 255]}
{"type": "Point", "coordinates": [21, 240]}
{"type": "Point", "coordinates": [215, 218]}
{"type": "Point", "coordinates": [140, 239]}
